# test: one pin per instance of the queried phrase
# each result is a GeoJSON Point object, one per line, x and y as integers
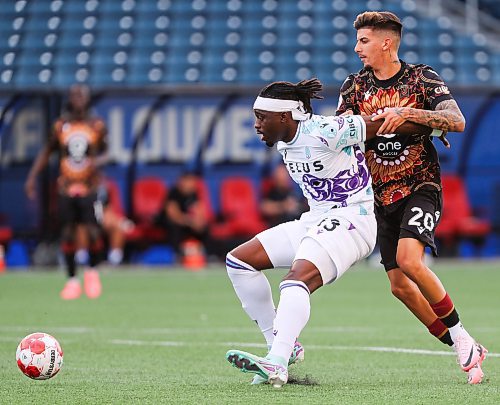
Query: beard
{"type": "Point", "coordinates": [269, 144]}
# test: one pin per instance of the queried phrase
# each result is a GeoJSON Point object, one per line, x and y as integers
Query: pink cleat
{"type": "Point", "coordinates": [92, 284]}
{"type": "Point", "coordinates": [72, 290]}
{"type": "Point", "coordinates": [475, 375]}
{"type": "Point", "coordinates": [469, 352]}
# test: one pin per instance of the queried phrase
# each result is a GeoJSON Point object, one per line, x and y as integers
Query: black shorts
{"type": "Point", "coordinates": [77, 210]}
{"type": "Point", "coordinates": [415, 216]}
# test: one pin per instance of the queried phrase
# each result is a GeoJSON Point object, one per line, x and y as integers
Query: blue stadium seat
{"type": "Point", "coordinates": [29, 77]}
{"type": "Point", "coordinates": [217, 41]}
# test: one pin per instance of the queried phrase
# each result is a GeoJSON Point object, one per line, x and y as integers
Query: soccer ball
{"type": "Point", "coordinates": [39, 356]}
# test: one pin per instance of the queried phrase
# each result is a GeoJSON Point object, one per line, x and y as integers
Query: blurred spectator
{"type": "Point", "coordinates": [116, 226]}
{"type": "Point", "coordinates": [79, 139]}
{"type": "Point", "coordinates": [279, 202]}
{"type": "Point", "coordinates": [184, 215]}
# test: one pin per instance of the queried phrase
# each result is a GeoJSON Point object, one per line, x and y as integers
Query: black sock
{"type": "Point", "coordinates": [69, 258]}
{"type": "Point", "coordinates": [446, 339]}
{"type": "Point", "coordinates": [451, 319]}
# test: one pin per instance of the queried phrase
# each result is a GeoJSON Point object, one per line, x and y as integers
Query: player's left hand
{"type": "Point", "coordinates": [393, 118]}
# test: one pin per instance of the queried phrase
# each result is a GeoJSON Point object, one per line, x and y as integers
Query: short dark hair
{"type": "Point", "coordinates": [379, 20]}
{"type": "Point", "coordinates": [304, 91]}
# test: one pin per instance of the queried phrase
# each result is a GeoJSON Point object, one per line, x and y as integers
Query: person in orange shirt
{"type": "Point", "coordinates": [80, 140]}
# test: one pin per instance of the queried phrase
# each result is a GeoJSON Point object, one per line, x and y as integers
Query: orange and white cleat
{"type": "Point", "coordinates": [72, 290]}
{"type": "Point", "coordinates": [92, 284]}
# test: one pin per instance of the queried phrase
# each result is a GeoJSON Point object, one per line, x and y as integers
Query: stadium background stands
{"type": "Point", "coordinates": [175, 80]}
{"type": "Point", "coordinates": [115, 43]}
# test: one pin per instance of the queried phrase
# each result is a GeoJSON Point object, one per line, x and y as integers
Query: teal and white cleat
{"type": "Point", "coordinates": [257, 379]}
{"type": "Point", "coordinates": [273, 370]}
{"type": "Point", "coordinates": [296, 357]}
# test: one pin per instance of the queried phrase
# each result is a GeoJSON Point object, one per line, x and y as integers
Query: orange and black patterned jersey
{"type": "Point", "coordinates": [399, 164]}
{"type": "Point", "coordinates": [79, 142]}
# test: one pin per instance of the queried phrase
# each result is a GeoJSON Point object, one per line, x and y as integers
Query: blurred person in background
{"type": "Point", "coordinates": [79, 139]}
{"type": "Point", "coordinates": [115, 225]}
{"type": "Point", "coordinates": [279, 201]}
{"type": "Point", "coordinates": [184, 216]}
{"type": "Point", "coordinates": [406, 174]}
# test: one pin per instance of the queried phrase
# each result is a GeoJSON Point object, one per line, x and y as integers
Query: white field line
{"type": "Point", "coordinates": [152, 331]}
{"type": "Point", "coordinates": [145, 343]}
{"type": "Point", "coordinates": [217, 329]}
{"type": "Point", "coordinates": [33, 329]}
{"type": "Point", "coordinates": [308, 347]}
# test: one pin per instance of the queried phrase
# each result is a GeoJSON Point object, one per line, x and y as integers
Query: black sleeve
{"type": "Point", "coordinates": [435, 89]}
{"type": "Point", "coordinates": [347, 98]}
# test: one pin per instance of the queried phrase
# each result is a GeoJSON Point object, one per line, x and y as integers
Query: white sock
{"type": "Point", "coordinates": [115, 256]}
{"type": "Point", "coordinates": [82, 256]}
{"type": "Point", "coordinates": [457, 330]}
{"type": "Point", "coordinates": [292, 315]}
{"type": "Point", "coordinates": [253, 290]}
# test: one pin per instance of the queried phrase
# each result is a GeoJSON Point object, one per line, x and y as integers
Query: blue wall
{"type": "Point", "coordinates": [176, 130]}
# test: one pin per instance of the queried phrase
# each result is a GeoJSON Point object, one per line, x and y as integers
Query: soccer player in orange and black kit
{"type": "Point", "coordinates": [79, 138]}
{"type": "Point", "coordinates": [406, 174]}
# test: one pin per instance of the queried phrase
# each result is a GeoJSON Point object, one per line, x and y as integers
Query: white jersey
{"type": "Point", "coordinates": [325, 160]}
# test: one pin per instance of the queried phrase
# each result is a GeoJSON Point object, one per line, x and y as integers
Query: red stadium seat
{"type": "Point", "coordinates": [5, 234]}
{"type": "Point", "coordinates": [457, 221]}
{"type": "Point", "coordinates": [148, 197]}
{"type": "Point", "coordinates": [205, 198]}
{"type": "Point", "coordinates": [239, 208]}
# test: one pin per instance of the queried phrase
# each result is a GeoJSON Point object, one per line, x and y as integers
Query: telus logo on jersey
{"type": "Point", "coordinates": [304, 167]}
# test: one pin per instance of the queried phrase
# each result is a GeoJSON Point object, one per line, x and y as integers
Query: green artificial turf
{"type": "Point", "coordinates": [159, 336]}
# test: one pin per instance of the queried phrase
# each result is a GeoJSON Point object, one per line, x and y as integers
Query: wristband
{"type": "Point", "coordinates": [436, 132]}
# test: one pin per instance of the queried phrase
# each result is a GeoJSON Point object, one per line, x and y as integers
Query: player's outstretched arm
{"type": "Point", "coordinates": [407, 128]}
{"type": "Point", "coordinates": [446, 117]}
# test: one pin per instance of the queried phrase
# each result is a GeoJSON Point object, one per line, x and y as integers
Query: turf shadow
{"type": "Point", "coordinates": [307, 380]}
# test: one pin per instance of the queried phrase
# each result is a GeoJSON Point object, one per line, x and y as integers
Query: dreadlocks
{"type": "Point", "coordinates": [304, 91]}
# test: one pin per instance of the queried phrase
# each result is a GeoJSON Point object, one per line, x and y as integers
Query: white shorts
{"type": "Point", "coordinates": [333, 242]}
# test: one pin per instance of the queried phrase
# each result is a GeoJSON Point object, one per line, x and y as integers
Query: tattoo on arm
{"type": "Point", "coordinates": [407, 128]}
{"type": "Point", "coordinates": [447, 116]}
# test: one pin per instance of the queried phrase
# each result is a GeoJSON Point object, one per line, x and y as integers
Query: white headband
{"type": "Point", "coordinates": [278, 105]}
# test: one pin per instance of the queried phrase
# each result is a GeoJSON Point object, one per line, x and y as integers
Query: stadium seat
{"type": "Point", "coordinates": [148, 197]}
{"type": "Point", "coordinates": [239, 210]}
{"type": "Point", "coordinates": [205, 199]}
{"type": "Point", "coordinates": [457, 219]}
{"type": "Point", "coordinates": [5, 234]}
{"type": "Point", "coordinates": [178, 27]}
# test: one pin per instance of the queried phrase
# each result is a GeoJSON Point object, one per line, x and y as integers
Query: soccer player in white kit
{"type": "Point", "coordinates": [323, 156]}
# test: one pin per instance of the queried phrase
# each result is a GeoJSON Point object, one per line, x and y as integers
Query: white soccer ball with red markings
{"type": "Point", "coordinates": [39, 356]}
